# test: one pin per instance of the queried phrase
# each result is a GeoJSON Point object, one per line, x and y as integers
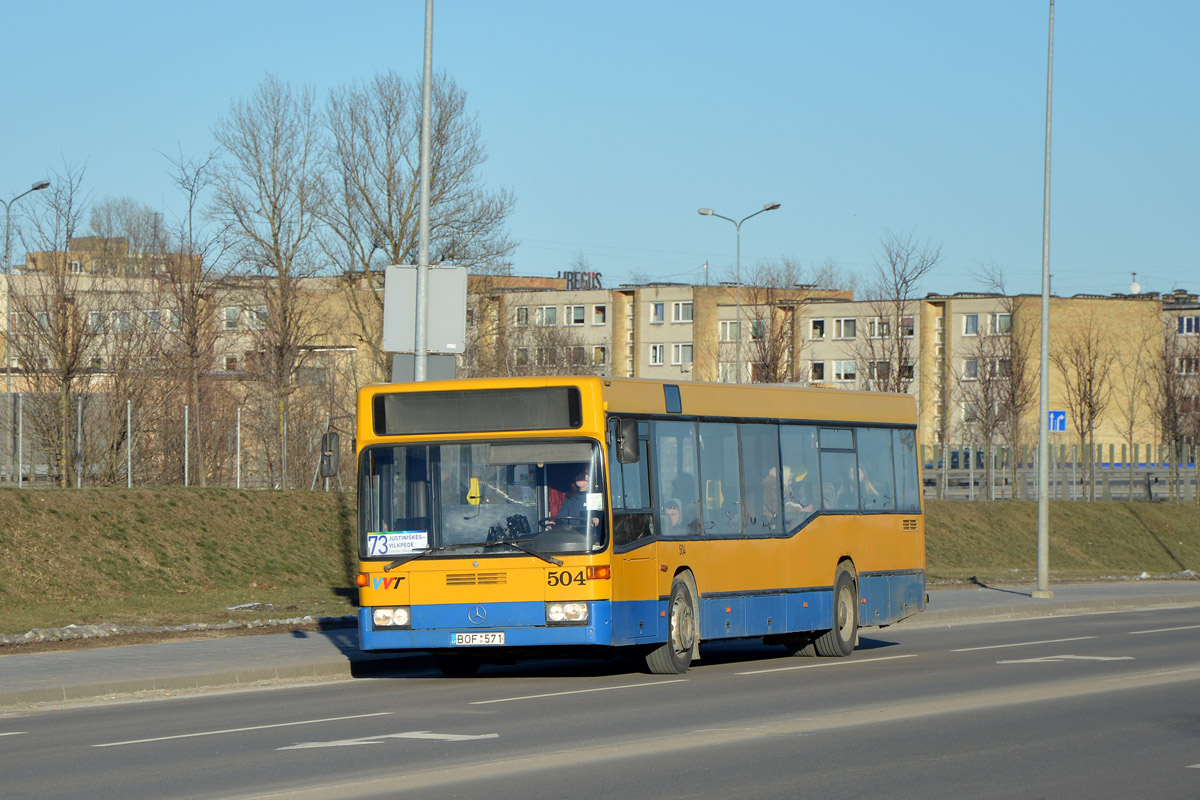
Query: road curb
{"type": "Point", "coordinates": [1042, 608]}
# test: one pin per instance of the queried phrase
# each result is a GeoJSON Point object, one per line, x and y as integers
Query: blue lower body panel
{"type": "Point", "coordinates": [523, 625]}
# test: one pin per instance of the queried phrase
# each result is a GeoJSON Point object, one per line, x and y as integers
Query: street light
{"type": "Point", "coordinates": [8, 222]}
{"type": "Point", "coordinates": [37, 186]}
{"type": "Point", "coordinates": [737, 224]}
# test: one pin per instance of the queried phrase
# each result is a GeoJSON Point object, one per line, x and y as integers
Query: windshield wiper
{"type": "Point", "coordinates": [524, 549]}
{"type": "Point", "coordinates": [421, 553]}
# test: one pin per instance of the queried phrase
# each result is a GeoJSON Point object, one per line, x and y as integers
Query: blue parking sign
{"type": "Point", "coordinates": [1058, 421]}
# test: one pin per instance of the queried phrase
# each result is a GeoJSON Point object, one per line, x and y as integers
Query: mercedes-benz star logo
{"type": "Point", "coordinates": [477, 615]}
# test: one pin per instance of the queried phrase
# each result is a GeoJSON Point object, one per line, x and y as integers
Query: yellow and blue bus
{"type": "Point", "coordinates": [511, 518]}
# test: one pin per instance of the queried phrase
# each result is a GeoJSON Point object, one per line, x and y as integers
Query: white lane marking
{"type": "Point", "coordinates": [1021, 644]}
{"type": "Point", "coordinates": [1166, 630]}
{"type": "Point", "coordinates": [441, 737]}
{"type": "Point", "coordinates": [1193, 766]}
{"type": "Point", "coordinates": [242, 730]}
{"type": "Point", "coordinates": [837, 663]}
{"type": "Point", "coordinates": [1048, 659]}
{"type": "Point", "coordinates": [575, 691]}
{"type": "Point", "coordinates": [13, 733]}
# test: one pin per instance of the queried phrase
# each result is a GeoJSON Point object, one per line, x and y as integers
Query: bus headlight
{"type": "Point", "coordinates": [566, 613]}
{"type": "Point", "coordinates": [397, 617]}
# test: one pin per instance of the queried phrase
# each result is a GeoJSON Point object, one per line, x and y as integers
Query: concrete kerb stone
{"type": "Point", "coordinates": [1038, 608]}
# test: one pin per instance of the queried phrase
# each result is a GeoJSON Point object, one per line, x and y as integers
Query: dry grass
{"type": "Point", "coordinates": [173, 556]}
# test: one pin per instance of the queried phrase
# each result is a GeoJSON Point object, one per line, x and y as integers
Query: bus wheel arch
{"type": "Point", "coordinates": [839, 641]}
{"type": "Point", "coordinates": [675, 655]}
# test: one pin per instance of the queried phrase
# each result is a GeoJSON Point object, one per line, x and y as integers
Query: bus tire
{"type": "Point", "coordinates": [457, 665]}
{"type": "Point", "coordinates": [674, 656]}
{"type": "Point", "coordinates": [839, 641]}
{"type": "Point", "coordinates": [801, 645]}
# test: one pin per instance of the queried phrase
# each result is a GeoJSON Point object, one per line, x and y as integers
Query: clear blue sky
{"type": "Point", "coordinates": [613, 122]}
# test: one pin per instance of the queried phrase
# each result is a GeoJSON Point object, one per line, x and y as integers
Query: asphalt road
{"type": "Point", "coordinates": [1102, 705]}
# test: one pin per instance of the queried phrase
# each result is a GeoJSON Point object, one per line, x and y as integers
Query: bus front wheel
{"type": "Point", "coordinates": [839, 641]}
{"type": "Point", "coordinates": [674, 656]}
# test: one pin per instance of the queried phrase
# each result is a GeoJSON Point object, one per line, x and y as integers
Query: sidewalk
{"type": "Point", "coordinates": [94, 673]}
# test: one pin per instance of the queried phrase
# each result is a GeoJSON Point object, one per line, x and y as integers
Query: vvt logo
{"type": "Point", "coordinates": [386, 583]}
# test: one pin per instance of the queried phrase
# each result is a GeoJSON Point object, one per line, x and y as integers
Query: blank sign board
{"type": "Point", "coordinates": [447, 323]}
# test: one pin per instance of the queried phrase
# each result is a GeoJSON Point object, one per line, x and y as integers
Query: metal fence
{"type": "Point", "coordinates": [1106, 472]}
{"type": "Point", "coordinates": [110, 442]}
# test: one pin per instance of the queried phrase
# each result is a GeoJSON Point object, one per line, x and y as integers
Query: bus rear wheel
{"type": "Point", "coordinates": [839, 641]}
{"type": "Point", "coordinates": [674, 656]}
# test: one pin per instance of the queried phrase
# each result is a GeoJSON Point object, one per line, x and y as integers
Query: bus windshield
{"type": "Point", "coordinates": [472, 497]}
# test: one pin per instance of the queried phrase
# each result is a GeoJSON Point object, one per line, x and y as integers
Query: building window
{"type": "Point", "coordinates": [817, 329]}
{"type": "Point", "coordinates": [575, 315]}
{"type": "Point", "coordinates": [121, 322]}
{"type": "Point", "coordinates": [656, 354]}
{"type": "Point", "coordinates": [970, 324]}
{"type": "Point", "coordinates": [758, 329]}
{"type": "Point", "coordinates": [174, 320]}
{"type": "Point", "coordinates": [681, 311]}
{"type": "Point", "coordinates": [844, 371]}
{"type": "Point", "coordinates": [470, 318]}
{"type": "Point", "coordinates": [231, 318]}
{"type": "Point", "coordinates": [547, 316]}
{"type": "Point", "coordinates": [727, 372]}
{"type": "Point", "coordinates": [258, 317]}
{"type": "Point", "coordinates": [43, 320]}
{"type": "Point", "coordinates": [879, 370]}
{"type": "Point", "coordinates": [576, 355]}
{"type": "Point", "coordinates": [522, 356]}
{"type": "Point", "coordinates": [816, 373]}
{"type": "Point", "coordinates": [599, 315]}
{"type": "Point", "coordinates": [1001, 324]}
{"type": "Point", "coordinates": [1189, 365]}
{"type": "Point", "coordinates": [729, 330]}
{"type": "Point", "coordinates": [546, 356]}
{"type": "Point", "coordinates": [599, 356]}
{"type": "Point", "coordinates": [907, 372]}
{"type": "Point", "coordinates": [681, 354]}
{"type": "Point", "coordinates": [845, 328]}
{"type": "Point", "coordinates": [95, 322]}
{"type": "Point", "coordinates": [153, 320]}
{"type": "Point", "coordinates": [656, 313]}
{"type": "Point", "coordinates": [878, 328]}
{"type": "Point", "coordinates": [970, 368]}
{"type": "Point", "coordinates": [231, 363]}
{"type": "Point", "coordinates": [1189, 326]}
{"type": "Point", "coordinates": [75, 267]}
{"type": "Point", "coordinates": [522, 316]}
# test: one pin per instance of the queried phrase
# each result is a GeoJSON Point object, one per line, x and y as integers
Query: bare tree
{"type": "Point", "coordinates": [1084, 362]}
{"type": "Point", "coordinates": [1176, 388]}
{"type": "Point", "coordinates": [373, 211]}
{"type": "Point", "coordinates": [268, 195]}
{"type": "Point", "coordinates": [55, 339]}
{"type": "Point", "coordinates": [192, 289]}
{"type": "Point", "coordinates": [1134, 387]}
{"type": "Point", "coordinates": [129, 219]}
{"type": "Point", "coordinates": [888, 349]}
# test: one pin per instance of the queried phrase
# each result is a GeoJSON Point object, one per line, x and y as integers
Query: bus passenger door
{"type": "Point", "coordinates": [634, 559]}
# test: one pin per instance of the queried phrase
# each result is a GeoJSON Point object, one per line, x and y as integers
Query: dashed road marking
{"type": "Point", "coordinates": [575, 691]}
{"type": "Point", "coordinates": [1021, 644]}
{"type": "Point", "coordinates": [427, 735]}
{"type": "Point", "coordinates": [242, 730]}
{"type": "Point", "coordinates": [1048, 659]}
{"type": "Point", "coordinates": [839, 663]}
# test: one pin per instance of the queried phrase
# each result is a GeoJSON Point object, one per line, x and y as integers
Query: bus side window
{"type": "Point", "coordinates": [629, 487]}
{"type": "Point", "coordinates": [719, 476]}
{"type": "Point", "coordinates": [761, 479]}
{"type": "Point", "coordinates": [675, 477]}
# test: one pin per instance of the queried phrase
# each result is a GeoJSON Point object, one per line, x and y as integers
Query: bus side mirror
{"type": "Point", "coordinates": [628, 449]}
{"type": "Point", "coordinates": [329, 455]}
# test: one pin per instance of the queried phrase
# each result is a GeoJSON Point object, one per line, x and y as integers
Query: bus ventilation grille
{"type": "Point", "coordinates": [476, 578]}
{"type": "Point", "coordinates": [908, 524]}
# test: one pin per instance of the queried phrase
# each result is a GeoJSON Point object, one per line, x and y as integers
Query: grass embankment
{"type": "Point", "coordinates": [173, 556]}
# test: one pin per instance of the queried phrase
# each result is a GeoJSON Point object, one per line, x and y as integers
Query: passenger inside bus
{"type": "Point", "coordinates": [570, 507]}
{"type": "Point", "coordinates": [673, 524]}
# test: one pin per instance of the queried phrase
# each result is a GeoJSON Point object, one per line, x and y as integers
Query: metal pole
{"type": "Point", "coordinates": [20, 441]}
{"type": "Point", "coordinates": [128, 444]}
{"type": "Point", "coordinates": [421, 360]}
{"type": "Point", "coordinates": [185, 445]}
{"type": "Point", "coordinates": [79, 443]}
{"type": "Point", "coordinates": [1043, 546]}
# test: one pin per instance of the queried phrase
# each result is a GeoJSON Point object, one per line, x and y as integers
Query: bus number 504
{"type": "Point", "coordinates": [565, 578]}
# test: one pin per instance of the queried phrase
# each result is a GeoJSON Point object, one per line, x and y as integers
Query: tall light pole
{"type": "Point", "coordinates": [37, 186]}
{"type": "Point", "coordinates": [1043, 540]}
{"type": "Point", "coordinates": [737, 224]}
